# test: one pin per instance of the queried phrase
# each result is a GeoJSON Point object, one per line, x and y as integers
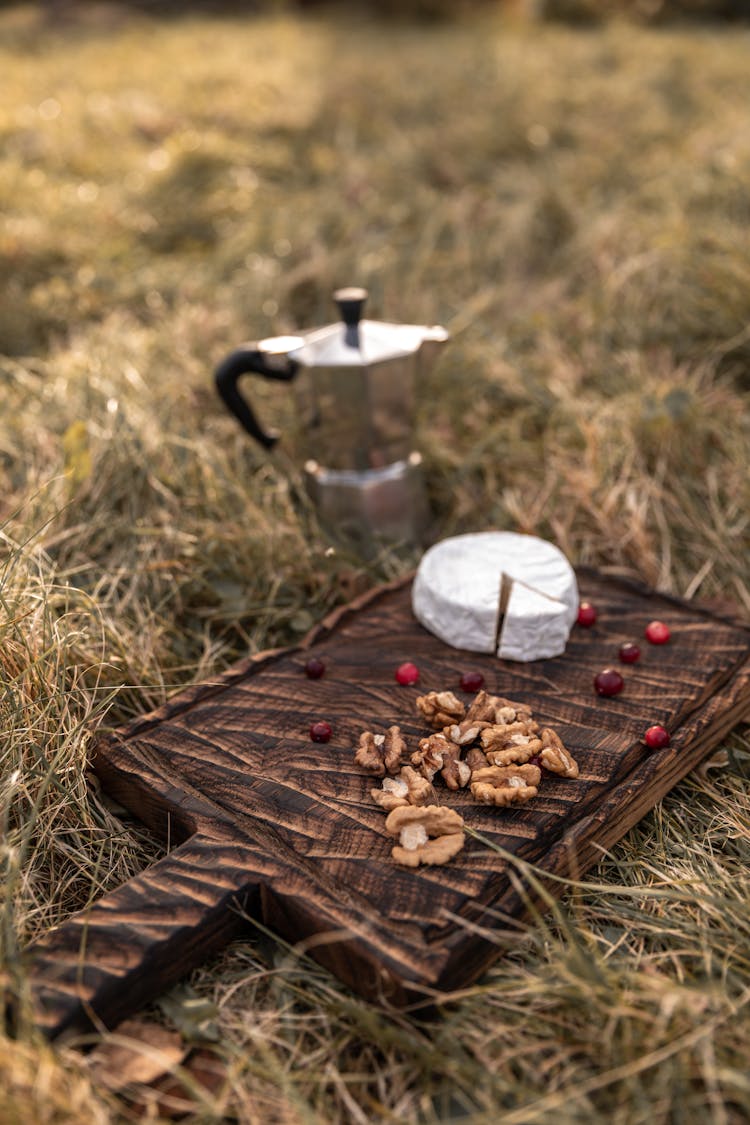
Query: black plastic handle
{"type": "Point", "coordinates": [240, 362]}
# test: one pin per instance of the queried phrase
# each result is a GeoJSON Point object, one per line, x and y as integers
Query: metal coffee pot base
{"type": "Point", "coordinates": [372, 507]}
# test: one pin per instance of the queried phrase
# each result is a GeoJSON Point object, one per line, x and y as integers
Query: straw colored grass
{"type": "Point", "coordinates": [573, 205]}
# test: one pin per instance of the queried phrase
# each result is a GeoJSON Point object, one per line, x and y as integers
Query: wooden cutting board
{"type": "Point", "coordinates": [264, 822]}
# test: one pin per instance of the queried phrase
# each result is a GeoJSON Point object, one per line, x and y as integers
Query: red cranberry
{"type": "Point", "coordinates": [320, 731]}
{"type": "Point", "coordinates": [315, 668]}
{"type": "Point", "coordinates": [657, 633]}
{"type": "Point", "coordinates": [472, 681]}
{"type": "Point", "coordinates": [656, 738]}
{"type": "Point", "coordinates": [407, 673]}
{"type": "Point", "coordinates": [629, 653]}
{"type": "Point", "coordinates": [586, 614]}
{"type": "Point", "coordinates": [608, 682]}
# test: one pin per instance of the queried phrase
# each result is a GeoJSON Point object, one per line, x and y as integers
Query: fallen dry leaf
{"type": "Point", "coordinates": [137, 1052]}
{"type": "Point", "coordinates": [176, 1095]}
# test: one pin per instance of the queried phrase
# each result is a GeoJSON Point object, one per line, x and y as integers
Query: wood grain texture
{"type": "Point", "coordinates": [285, 829]}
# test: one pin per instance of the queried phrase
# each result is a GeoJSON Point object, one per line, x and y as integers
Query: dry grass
{"type": "Point", "coordinates": [573, 205]}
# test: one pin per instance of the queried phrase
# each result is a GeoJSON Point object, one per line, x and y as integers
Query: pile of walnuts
{"type": "Point", "coordinates": [495, 749]}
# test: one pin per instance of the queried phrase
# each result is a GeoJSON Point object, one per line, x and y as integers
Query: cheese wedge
{"type": "Point", "coordinates": [534, 626]}
{"type": "Point", "coordinates": [497, 592]}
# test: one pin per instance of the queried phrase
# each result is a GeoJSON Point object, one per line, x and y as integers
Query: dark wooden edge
{"type": "Point", "coordinates": [98, 966]}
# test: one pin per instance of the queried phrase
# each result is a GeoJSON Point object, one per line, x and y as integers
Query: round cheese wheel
{"type": "Point", "coordinates": [497, 591]}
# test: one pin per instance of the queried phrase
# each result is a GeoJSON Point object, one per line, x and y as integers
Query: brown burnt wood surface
{"type": "Point", "coordinates": [271, 824]}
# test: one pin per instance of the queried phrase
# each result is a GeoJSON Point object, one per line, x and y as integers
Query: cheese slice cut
{"type": "Point", "coordinates": [534, 627]}
{"type": "Point", "coordinates": [465, 592]}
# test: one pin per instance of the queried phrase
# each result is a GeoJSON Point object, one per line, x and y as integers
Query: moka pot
{"type": "Point", "coordinates": [355, 387]}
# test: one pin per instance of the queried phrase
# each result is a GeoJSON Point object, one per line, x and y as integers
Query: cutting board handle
{"type": "Point", "coordinates": [99, 965]}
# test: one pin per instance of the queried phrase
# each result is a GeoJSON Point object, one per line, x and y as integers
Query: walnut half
{"type": "Point", "coordinates": [409, 788]}
{"type": "Point", "coordinates": [505, 785]}
{"type": "Point", "coordinates": [518, 742]}
{"type": "Point", "coordinates": [430, 756]}
{"type": "Point", "coordinates": [554, 756]}
{"type": "Point", "coordinates": [441, 708]}
{"type": "Point", "coordinates": [498, 735]}
{"type": "Point", "coordinates": [464, 733]}
{"type": "Point", "coordinates": [497, 710]}
{"type": "Point", "coordinates": [430, 835]}
{"type": "Point", "coordinates": [381, 754]}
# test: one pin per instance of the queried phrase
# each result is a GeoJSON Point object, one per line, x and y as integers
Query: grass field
{"type": "Point", "coordinates": [574, 205]}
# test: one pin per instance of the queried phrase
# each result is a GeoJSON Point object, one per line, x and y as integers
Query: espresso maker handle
{"type": "Point", "coordinates": [240, 362]}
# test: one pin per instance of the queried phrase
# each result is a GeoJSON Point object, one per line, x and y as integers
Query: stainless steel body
{"type": "Point", "coordinates": [357, 417]}
{"type": "Point", "coordinates": [367, 508]}
{"type": "Point", "coordinates": [355, 386]}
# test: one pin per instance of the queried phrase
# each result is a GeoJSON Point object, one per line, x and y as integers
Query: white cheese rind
{"type": "Point", "coordinates": [535, 627]}
{"type": "Point", "coordinates": [456, 591]}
